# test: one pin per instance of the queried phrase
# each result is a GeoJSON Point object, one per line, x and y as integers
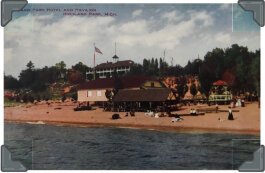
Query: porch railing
{"type": "Point", "coordinates": [227, 97]}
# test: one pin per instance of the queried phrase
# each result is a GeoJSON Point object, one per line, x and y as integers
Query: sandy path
{"type": "Point", "coordinates": [247, 120]}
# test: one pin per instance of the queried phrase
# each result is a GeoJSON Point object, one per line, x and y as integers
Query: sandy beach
{"type": "Point", "coordinates": [247, 119]}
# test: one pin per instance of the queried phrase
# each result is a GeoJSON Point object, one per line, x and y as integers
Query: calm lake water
{"type": "Point", "coordinates": [57, 147]}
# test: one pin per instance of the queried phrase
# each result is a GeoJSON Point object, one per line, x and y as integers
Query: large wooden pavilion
{"type": "Point", "coordinates": [144, 99]}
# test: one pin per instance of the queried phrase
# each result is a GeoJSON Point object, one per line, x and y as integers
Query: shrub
{"type": "Point", "coordinates": [74, 96]}
{"type": "Point", "coordinates": [31, 98]}
{"type": "Point", "coordinates": [25, 98]}
{"type": "Point", "coordinates": [63, 98]}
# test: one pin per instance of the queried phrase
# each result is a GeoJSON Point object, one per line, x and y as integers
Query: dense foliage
{"type": "Point", "coordinates": [236, 65]}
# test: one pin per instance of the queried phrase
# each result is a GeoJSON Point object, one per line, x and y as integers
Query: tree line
{"type": "Point", "coordinates": [45, 83]}
{"type": "Point", "coordinates": [236, 65]}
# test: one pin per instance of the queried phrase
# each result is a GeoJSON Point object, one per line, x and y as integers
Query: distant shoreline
{"type": "Point", "coordinates": [247, 119]}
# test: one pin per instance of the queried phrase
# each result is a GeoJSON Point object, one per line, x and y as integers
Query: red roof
{"type": "Point", "coordinates": [126, 82]}
{"type": "Point", "coordinates": [220, 83]}
{"type": "Point", "coordinates": [98, 83]}
{"type": "Point", "coordinates": [8, 94]}
{"type": "Point", "coordinates": [142, 95]}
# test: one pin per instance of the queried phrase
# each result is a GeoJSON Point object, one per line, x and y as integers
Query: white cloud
{"type": "Point", "coordinates": [169, 15]}
{"type": "Point", "coordinates": [172, 16]}
{"type": "Point", "coordinates": [134, 27]}
{"type": "Point", "coordinates": [225, 6]}
{"type": "Point", "coordinates": [137, 13]}
{"type": "Point", "coordinates": [204, 17]}
{"type": "Point", "coordinates": [46, 41]}
{"type": "Point", "coordinates": [8, 54]}
{"type": "Point", "coordinates": [223, 37]}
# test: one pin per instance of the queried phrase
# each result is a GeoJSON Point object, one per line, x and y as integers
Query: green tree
{"type": "Point", "coordinates": [193, 89]}
{"type": "Point", "coordinates": [10, 82]}
{"type": "Point", "coordinates": [206, 78]}
{"type": "Point", "coordinates": [181, 90]}
{"type": "Point", "coordinates": [27, 77]}
{"type": "Point", "coordinates": [63, 98]}
{"type": "Point", "coordinates": [215, 59]}
{"type": "Point", "coordinates": [156, 69]}
{"type": "Point", "coordinates": [30, 65]}
{"type": "Point", "coordinates": [75, 77]}
{"type": "Point", "coordinates": [74, 96]}
{"type": "Point", "coordinates": [255, 71]}
{"type": "Point", "coordinates": [146, 64]}
{"type": "Point", "coordinates": [82, 68]}
{"type": "Point", "coordinates": [136, 69]}
{"type": "Point", "coordinates": [188, 68]}
{"type": "Point", "coordinates": [61, 66]}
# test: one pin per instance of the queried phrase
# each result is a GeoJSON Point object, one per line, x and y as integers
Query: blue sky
{"type": "Point", "coordinates": [140, 30]}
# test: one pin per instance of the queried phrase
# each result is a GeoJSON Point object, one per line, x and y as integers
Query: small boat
{"type": "Point", "coordinates": [35, 122]}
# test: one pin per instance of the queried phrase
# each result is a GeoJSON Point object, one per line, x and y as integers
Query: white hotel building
{"type": "Point", "coordinates": [105, 70]}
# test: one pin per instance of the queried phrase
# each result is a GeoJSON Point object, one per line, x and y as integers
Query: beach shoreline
{"type": "Point", "coordinates": [140, 127]}
{"type": "Point", "coordinates": [63, 115]}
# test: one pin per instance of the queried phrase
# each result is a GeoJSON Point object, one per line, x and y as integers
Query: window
{"type": "Point", "coordinates": [98, 93]}
{"type": "Point", "coordinates": [89, 93]}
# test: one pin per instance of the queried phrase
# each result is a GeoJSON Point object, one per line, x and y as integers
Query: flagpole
{"type": "Point", "coordinates": [115, 48]}
{"type": "Point", "coordinates": [94, 63]}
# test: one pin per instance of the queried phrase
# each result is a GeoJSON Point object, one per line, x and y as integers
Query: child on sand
{"type": "Point", "coordinates": [216, 108]}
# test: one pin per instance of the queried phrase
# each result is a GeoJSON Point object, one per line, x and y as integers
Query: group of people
{"type": "Point", "coordinates": [176, 118]}
{"type": "Point", "coordinates": [155, 114]}
{"type": "Point", "coordinates": [193, 111]}
{"type": "Point", "coordinates": [238, 103]}
{"type": "Point", "coordinates": [132, 113]}
{"type": "Point", "coordinates": [117, 116]}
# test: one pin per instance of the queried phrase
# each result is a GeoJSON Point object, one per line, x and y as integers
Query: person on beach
{"type": "Point", "coordinates": [216, 108]}
{"type": "Point", "coordinates": [176, 118]}
{"type": "Point", "coordinates": [238, 103]}
{"type": "Point", "coordinates": [242, 103]}
{"type": "Point", "coordinates": [230, 114]}
{"type": "Point", "coordinates": [132, 113]}
{"type": "Point", "coordinates": [194, 112]}
{"type": "Point", "coordinates": [168, 112]}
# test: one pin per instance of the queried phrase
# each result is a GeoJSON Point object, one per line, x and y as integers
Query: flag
{"type": "Point", "coordinates": [97, 50]}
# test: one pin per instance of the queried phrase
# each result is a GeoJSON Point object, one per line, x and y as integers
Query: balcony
{"type": "Point", "coordinates": [221, 98]}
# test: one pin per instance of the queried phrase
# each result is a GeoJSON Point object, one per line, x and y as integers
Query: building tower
{"type": "Point", "coordinates": [115, 57]}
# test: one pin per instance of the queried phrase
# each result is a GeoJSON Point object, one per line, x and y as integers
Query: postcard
{"type": "Point", "coordinates": [132, 86]}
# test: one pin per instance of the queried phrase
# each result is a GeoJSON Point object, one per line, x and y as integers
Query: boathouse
{"type": "Point", "coordinates": [95, 90]}
{"type": "Point", "coordinates": [144, 99]}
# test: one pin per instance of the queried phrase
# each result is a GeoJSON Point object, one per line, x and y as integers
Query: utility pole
{"type": "Point", "coordinates": [164, 55]}
{"type": "Point", "coordinates": [94, 62]}
{"type": "Point", "coordinates": [115, 48]}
